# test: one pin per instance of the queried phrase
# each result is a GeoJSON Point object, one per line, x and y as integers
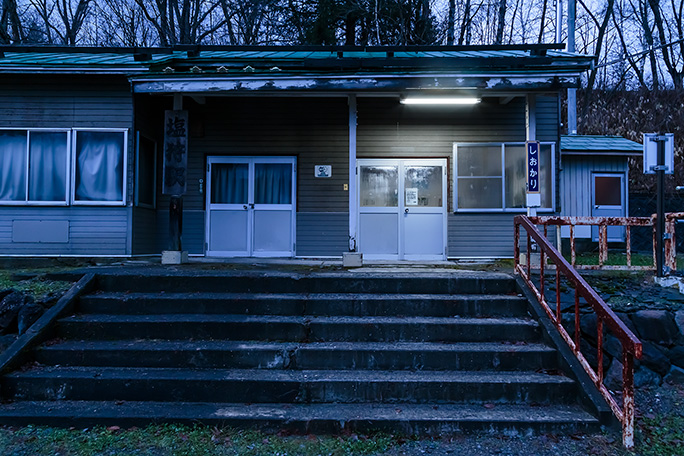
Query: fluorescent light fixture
{"type": "Point", "coordinates": [440, 100]}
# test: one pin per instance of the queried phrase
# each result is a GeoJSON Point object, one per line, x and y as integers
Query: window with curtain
{"type": "Point", "coordinates": [99, 166]}
{"type": "Point", "coordinates": [35, 166]}
{"type": "Point", "coordinates": [493, 176]}
{"type": "Point", "coordinates": [272, 183]}
{"type": "Point", "coordinates": [13, 165]}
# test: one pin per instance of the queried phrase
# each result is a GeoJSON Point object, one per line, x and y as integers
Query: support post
{"type": "Point", "coordinates": [660, 220]}
{"type": "Point", "coordinates": [572, 93]}
{"type": "Point", "coordinates": [353, 246]}
{"type": "Point", "coordinates": [531, 134]}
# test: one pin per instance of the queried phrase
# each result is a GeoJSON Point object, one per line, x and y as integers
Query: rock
{"type": "Point", "coordinates": [657, 326]}
{"type": "Point", "coordinates": [627, 321]}
{"type": "Point", "coordinates": [612, 346]}
{"type": "Point", "coordinates": [676, 355]}
{"type": "Point", "coordinates": [50, 299]}
{"type": "Point", "coordinates": [9, 309]}
{"type": "Point", "coordinates": [28, 315]}
{"type": "Point", "coordinates": [654, 358]}
{"type": "Point", "coordinates": [589, 326]}
{"type": "Point", "coordinates": [613, 377]}
{"type": "Point", "coordinates": [679, 321]}
{"type": "Point", "coordinates": [6, 341]}
{"type": "Point", "coordinates": [646, 377]}
{"type": "Point", "coordinates": [5, 292]}
{"type": "Point", "coordinates": [676, 375]}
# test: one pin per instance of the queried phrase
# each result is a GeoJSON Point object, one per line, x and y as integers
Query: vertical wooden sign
{"type": "Point", "coordinates": [175, 153]}
{"type": "Point", "coordinates": [532, 167]}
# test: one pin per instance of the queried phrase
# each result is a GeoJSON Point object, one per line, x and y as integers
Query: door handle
{"type": "Point", "coordinates": [406, 211]}
{"type": "Point", "coordinates": [244, 206]}
{"type": "Point", "coordinates": [251, 205]}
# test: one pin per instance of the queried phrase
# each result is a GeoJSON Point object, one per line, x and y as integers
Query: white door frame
{"type": "Point", "coordinates": [251, 207]}
{"type": "Point", "coordinates": [401, 207]}
{"type": "Point", "coordinates": [615, 234]}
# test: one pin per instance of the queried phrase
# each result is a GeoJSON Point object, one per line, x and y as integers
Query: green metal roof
{"type": "Point", "coordinates": [599, 145]}
{"type": "Point", "coordinates": [517, 60]}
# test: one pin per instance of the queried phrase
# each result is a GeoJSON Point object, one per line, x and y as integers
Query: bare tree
{"type": "Point", "coordinates": [11, 28]}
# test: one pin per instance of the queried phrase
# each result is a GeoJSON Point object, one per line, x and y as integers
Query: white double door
{"type": "Point", "coordinates": [402, 209]}
{"type": "Point", "coordinates": [250, 206]}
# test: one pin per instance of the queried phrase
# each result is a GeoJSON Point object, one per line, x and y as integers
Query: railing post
{"type": "Point", "coordinates": [628, 244]}
{"type": "Point", "coordinates": [577, 322]}
{"type": "Point", "coordinates": [670, 246]}
{"type": "Point", "coordinates": [516, 245]}
{"type": "Point", "coordinates": [627, 400]}
{"type": "Point", "coordinates": [603, 244]}
{"type": "Point", "coordinates": [558, 294]}
{"type": "Point", "coordinates": [572, 245]}
{"type": "Point", "coordinates": [529, 257]}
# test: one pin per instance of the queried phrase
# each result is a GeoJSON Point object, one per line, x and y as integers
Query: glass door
{"type": "Point", "coordinates": [402, 209]}
{"type": "Point", "coordinates": [250, 206]}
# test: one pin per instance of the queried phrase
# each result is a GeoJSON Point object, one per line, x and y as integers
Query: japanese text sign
{"type": "Point", "coordinates": [175, 153]}
{"type": "Point", "coordinates": [532, 166]}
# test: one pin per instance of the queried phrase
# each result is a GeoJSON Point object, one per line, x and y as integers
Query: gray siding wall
{"type": "Point", "coordinates": [322, 233]}
{"type": "Point", "coordinates": [314, 130]}
{"type": "Point", "coordinates": [69, 101]}
{"type": "Point", "coordinates": [92, 231]}
{"type": "Point", "coordinates": [575, 180]}
{"type": "Point", "coordinates": [388, 129]}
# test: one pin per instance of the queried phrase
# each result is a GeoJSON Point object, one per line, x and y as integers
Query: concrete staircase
{"type": "Point", "coordinates": [427, 353]}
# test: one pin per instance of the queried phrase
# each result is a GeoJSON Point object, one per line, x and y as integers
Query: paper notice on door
{"type": "Point", "coordinates": [412, 196]}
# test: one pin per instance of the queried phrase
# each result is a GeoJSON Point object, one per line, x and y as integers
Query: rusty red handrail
{"type": "Point", "coordinates": [631, 346]}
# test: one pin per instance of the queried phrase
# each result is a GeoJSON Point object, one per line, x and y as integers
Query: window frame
{"type": "Point", "coordinates": [155, 152]}
{"type": "Point", "coordinates": [124, 167]}
{"type": "Point", "coordinates": [70, 167]}
{"type": "Point", "coordinates": [67, 189]}
{"type": "Point", "coordinates": [503, 209]}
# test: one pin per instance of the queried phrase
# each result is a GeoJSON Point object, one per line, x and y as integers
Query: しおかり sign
{"type": "Point", "coordinates": [532, 166]}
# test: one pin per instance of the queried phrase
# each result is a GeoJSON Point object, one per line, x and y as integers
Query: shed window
{"type": "Point", "coordinates": [35, 166]}
{"type": "Point", "coordinates": [492, 177]}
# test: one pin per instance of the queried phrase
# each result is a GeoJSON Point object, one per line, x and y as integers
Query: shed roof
{"type": "Point", "coordinates": [517, 59]}
{"type": "Point", "coordinates": [599, 145]}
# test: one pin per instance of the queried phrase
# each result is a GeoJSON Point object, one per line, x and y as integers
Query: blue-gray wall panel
{"type": "Point", "coordinates": [92, 230]}
{"type": "Point", "coordinates": [322, 233]}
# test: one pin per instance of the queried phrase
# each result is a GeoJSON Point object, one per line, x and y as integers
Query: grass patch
{"type": "Point", "coordinates": [662, 436]}
{"type": "Point", "coordinates": [38, 286]}
{"type": "Point", "coordinates": [180, 440]}
{"type": "Point", "coordinates": [614, 259]}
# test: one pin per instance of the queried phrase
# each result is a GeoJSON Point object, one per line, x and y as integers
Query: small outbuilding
{"type": "Point", "coordinates": [594, 179]}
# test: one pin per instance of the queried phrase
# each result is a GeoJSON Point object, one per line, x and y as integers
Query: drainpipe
{"type": "Point", "coordinates": [572, 93]}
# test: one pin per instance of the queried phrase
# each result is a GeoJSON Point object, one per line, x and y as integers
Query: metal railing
{"type": "Point", "coordinates": [631, 346]}
{"type": "Point", "coordinates": [670, 257]}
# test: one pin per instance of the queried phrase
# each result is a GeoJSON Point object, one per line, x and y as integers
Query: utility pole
{"type": "Point", "coordinates": [660, 205]}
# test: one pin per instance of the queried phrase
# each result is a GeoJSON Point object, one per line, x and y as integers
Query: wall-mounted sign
{"type": "Point", "coordinates": [651, 152]}
{"type": "Point", "coordinates": [532, 166]}
{"type": "Point", "coordinates": [323, 171]}
{"type": "Point", "coordinates": [175, 169]}
{"type": "Point", "coordinates": [412, 196]}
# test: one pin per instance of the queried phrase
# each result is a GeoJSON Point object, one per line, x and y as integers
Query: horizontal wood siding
{"type": "Point", "coordinates": [480, 235]}
{"type": "Point", "coordinates": [144, 231]}
{"type": "Point", "coordinates": [92, 230]}
{"type": "Point", "coordinates": [576, 181]}
{"type": "Point", "coordinates": [547, 118]}
{"type": "Point", "coordinates": [389, 129]}
{"type": "Point", "coordinates": [322, 233]}
{"type": "Point", "coordinates": [193, 231]}
{"type": "Point", "coordinates": [71, 101]}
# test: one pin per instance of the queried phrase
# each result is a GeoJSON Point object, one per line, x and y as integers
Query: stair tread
{"type": "Point", "coordinates": [302, 376]}
{"type": "Point", "coordinates": [131, 296]}
{"type": "Point", "coordinates": [182, 345]}
{"type": "Point", "coordinates": [299, 412]}
{"type": "Point", "coordinates": [103, 318]}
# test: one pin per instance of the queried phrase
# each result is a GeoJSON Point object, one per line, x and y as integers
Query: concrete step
{"type": "Point", "coordinates": [309, 386]}
{"type": "Point", "coordinates": [297, 329]}
{"type": "Point", "coordinates": [409, 419]}
{"type": "Point", "coordinates": [287, 355]}
{"type": "Point", "coordinates": [317, 304]}
{"type": "Point", "coordinates": [457, 282]}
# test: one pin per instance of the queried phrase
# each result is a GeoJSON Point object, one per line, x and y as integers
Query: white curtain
{"type": "Point", "coordinates": [47, 170]}
{"type": "Point", "coordinates": [99, 166]}
{"type": "Point", "coordinates": [229, 183]}
{"type": "Point", "coordinates": [272, 183]}
{"type": "Point", "coordinates": [12, 165]}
